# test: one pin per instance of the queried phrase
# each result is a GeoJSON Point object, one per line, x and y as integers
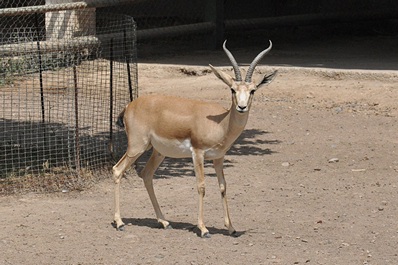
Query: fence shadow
{"type": "Point", "coordinates": [32, 147]}
{"type": "Point", "coordinates": [250, 143]}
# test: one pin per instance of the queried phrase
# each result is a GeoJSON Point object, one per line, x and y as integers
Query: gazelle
{"type": "Point", "coordinates": [179, 128]}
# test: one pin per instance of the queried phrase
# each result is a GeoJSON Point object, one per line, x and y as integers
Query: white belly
{"type": "Point", "coordinates": [181, 148]}
{"type": "Point", "coordinates": [172, 147]}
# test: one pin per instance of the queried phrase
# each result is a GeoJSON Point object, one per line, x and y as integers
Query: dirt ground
{"type": "Point", "coordinates": [312, 180]}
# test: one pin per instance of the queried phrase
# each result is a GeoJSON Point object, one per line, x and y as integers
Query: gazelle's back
{"type": "Point", "coordinates": [173, 125]}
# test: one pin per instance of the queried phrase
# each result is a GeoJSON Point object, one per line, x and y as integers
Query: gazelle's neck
{"type": "Point", "coordinates": [236, 123]}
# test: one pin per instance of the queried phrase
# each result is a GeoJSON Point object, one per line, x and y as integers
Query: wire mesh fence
{"type": "Point", "coordinates": [67, 67]}
{"type": "Point", "coordinates": [62, 85]}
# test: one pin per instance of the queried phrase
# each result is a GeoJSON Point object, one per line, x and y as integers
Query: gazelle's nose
{"type": "Point", "coordinates": [241, 108]}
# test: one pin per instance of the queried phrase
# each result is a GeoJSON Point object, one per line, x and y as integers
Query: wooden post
{"type": "Point", "coordinates": [215, 13]}
{"type": "Point", "coordinates": [68, 24]}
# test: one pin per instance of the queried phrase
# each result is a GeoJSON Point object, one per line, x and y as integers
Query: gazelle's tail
{"type": "Point", "coordinates": [119, 121]}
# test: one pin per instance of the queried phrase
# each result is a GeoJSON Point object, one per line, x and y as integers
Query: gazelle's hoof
{"type": "Point", "coordinates": [234, 234]}
{"type": "Point", "coordinates": [118, 228]}
{"type": "Point", "coordinates": [206, 235]}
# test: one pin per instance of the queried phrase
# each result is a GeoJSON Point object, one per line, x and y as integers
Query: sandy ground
{"type": "Point", "coordinates": [312, 180]}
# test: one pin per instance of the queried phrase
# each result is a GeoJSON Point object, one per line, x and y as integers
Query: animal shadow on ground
{"type": "Point", "coordinates": [153, 223]}
{"type": "Point", "coordinates": [250, 142]}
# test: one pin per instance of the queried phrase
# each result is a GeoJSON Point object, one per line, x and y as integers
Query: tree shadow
{"type": "Point", "coordinates": [249, 143]}
{"type": "Point", "coordinates": [153, 223]}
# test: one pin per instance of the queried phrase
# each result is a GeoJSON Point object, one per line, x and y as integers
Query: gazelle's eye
{"type": "Point", "coordinates": [233, 91]}
{"type": "Point", "coordinates": [252, 92]}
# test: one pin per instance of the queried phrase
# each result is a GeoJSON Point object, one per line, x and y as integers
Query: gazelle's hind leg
{"type": "Point", "coordinates": [218, 166]}
{"type": "Point", "coordinates": [147, 175]}
{"type": "Point", "coordinates": [118, 170]}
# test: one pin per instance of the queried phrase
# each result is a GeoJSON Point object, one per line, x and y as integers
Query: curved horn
{"type": "Point", "coordinates": [256, 60]}
{"type": "Point", "coordinates": [238, 75]}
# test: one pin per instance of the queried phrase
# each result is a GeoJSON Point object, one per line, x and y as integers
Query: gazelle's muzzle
{"type": "Point", "coordinates": [242, 100]}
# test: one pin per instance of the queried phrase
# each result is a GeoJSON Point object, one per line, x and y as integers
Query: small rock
{"type": "Point", "coordinates": [358, 170]}
{"type": "Point", "coordinates": [338, 109]}
{"type": "Point", "coordinates": [333, 160]}
{"type": "Point", "coordinates": [285, 164]}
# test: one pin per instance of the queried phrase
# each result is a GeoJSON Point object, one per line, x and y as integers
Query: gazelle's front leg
{"type": "Point", "coordinates": [198, 162]}
{"type": "Point", "coordinates": [218, 166]}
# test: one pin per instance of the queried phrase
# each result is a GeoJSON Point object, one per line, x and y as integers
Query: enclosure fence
{"type": "Point", "coordinates": [64, 77]}
{"type": "Point", "coordinates": [68, 67]}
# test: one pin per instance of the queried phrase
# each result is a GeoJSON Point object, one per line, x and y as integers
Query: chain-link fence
{"type": "Point", "coordinates": [64, 77]}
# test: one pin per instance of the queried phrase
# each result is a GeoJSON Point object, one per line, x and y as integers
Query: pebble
{"type": "Point", "coordinates": [338, 109]}
{"type": "Point", "coordinates": [358, 170]}
{"type": "Point", "coordinates": [285, 164]}
{"type": "Point", "coordinates": [333, 160]}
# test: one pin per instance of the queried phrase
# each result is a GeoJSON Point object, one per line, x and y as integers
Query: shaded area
{"type": "Point", "coordinates": [248, 143]}
{"type": "Point", "coordinates": [46, 157]}
{"type": "Point", "coordinates": [312, 46]}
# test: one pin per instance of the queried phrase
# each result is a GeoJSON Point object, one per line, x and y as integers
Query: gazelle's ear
{"type": "Point", "coordinates": [226, 78]}
{"type": "Point", "coordinates": [267, 79]}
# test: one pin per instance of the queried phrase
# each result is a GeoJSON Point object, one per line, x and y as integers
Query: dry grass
{"type": "Point", "coordinates": [55, 181]}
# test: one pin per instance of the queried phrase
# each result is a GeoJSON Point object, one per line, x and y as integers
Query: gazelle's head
{"type": "Point", "coordinates": [243, 91]}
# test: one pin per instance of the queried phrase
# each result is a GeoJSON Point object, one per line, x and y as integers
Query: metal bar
{"type": "Point", "coordinates": [309, 19]}
{"type": "Point", "coordinates": [111, 96]}
{"type": "Point", "coordinates": [77, 43]}
{"type": "Point", "coordinates": [168, 32]}
{"type": "Point", "coordinates": [127, 56]}
{"type": "Point", "coordinates": [41, 9]}
{"type": "Point", "coordinates": [40, 70]}
{"type": "Point", "coordinates": [91, 41]}
{"type": "Point", "coordinates": [61, 7]}
{"type": "Point", "coordinates": [77, 143]}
